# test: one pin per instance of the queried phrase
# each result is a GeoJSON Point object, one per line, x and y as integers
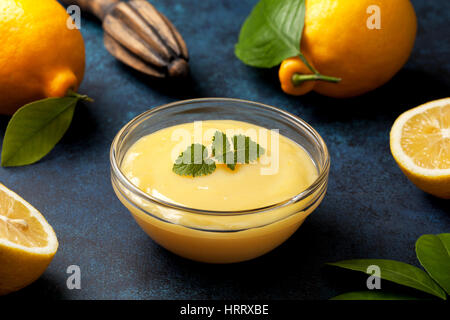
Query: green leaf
{"type": "Point", "coordinates": [245, 150]}
{"type": "Point", "coordinates": [220, 146]}
{"type": "Point", "coordinates": [395, 271]}
{"type": "Point", "coordinates": [433, 253]}
{"type": "Point", "coordinates": [221, 150]}
{"type": "Point", "coordinates": [35, 129]}
{"type": "Point", "coordinates": [271, 33]}
{"type": "Point", "coordinates": [194, 162]}
{"type": "Point", "coordinates": [372, 295]}
{"type": "Point", "coordinates": [231, 165]}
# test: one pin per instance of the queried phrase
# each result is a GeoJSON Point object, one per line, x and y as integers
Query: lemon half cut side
{"type": "Point", "coordinates": [27, 242]}
{"type": "Point", "coordinates": [420, 144]}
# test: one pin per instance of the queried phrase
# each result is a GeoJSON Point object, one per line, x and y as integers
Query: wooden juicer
{"type": "Point", "coordinates": [140, 36]}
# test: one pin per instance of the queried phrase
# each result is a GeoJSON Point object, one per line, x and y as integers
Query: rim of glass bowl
{"type": "Point", "coordinates": [298, 122]}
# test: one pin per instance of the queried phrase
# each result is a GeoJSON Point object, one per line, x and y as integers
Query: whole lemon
{"type": "Point", "coordinates": [364, 42]}
{"type": "Point", "coordinates": [40, 56]}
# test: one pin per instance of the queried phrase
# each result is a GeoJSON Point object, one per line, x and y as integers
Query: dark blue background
{"type": "Point", "coordinates": [371, 210]}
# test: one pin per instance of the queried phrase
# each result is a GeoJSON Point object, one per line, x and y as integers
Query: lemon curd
{"type": "Point", "coordinates": [228, 215]}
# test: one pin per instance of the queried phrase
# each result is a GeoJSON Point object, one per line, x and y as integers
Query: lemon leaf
{"type": "Point", "coordinates": [433, 254]}
{"type": "Point", "coordinates": [372, 295]}
{"type": "Point", "coordinates": [396, 271]}
{"type": "Point", "coordinates": [271, 33]}
{"type": "Point", "coordinates": [35, 129]}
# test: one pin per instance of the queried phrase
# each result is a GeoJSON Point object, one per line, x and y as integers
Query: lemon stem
{"type": "Point", "coordinates": [71, 93]}
{"type": "Point", "coordinates": [306, 62]}
{"type": "Point", "coordinates": [298, 78]}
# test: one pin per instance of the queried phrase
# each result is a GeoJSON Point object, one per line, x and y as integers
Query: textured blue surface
{"type": "Point", "coordinates": [371, 209]}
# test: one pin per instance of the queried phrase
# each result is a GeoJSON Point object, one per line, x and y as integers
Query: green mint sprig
{"type": "Point", "coordinates": [195, 160]}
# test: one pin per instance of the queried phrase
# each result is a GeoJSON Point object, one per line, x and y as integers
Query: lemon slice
{"type": "Point", "coordinates": [27, 242]}
{"type": "Point", "coordinates": [420, 144]}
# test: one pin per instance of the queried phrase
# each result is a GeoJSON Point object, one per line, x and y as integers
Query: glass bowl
{"type": "Point", "coordinates": [219, 236]}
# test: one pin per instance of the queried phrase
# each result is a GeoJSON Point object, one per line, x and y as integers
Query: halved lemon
{"type": "Point", "coordinates": [27, 242]}
{"type": "Point", "coordinates": [420, 144]}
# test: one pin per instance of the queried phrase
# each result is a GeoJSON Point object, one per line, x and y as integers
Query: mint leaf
{"type": "Point", "coordinates": [221, 150]}
{"type": "Point", "coordinates": [271, 33]}
{"type": "Point", "coordinates": [245, 150]}
{"type": "Point", "coordinates": [433, 254]}
{"type": "Point", "coordinates": [220, 146]}
{"type": "Point", "coordinates": [194, 162]}
{"type": "Point", "coordinates": [35, 129]}
{"type": "Point", "coordinates": [232, 165]}
{"type": "Point", "coordinates": [398, 272]}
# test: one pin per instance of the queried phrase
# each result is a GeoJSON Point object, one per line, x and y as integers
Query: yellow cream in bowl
{"type": "Point", "coordinates": [281, 173]}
